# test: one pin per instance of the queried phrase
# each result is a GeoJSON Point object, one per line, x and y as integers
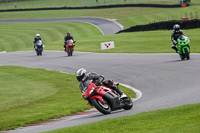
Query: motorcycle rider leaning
{"type": "Point", "coordinates": [68, 37]}
{"type": "Point", "coordinates": [175, 35]}
{"type": "Point", "coordinates": [37, 38]}
{"type": "Point", "coordinates": [82, 76]}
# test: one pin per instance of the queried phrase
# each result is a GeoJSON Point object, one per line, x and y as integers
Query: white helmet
{"type": "Point", "coordinates": [176, 27]}
{"type": "Point", "coordinates": [81, 74]}
{"type": "Point", "coordinates": [37, 35]}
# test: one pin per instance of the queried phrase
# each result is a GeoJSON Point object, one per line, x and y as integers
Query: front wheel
{"type": "Point", "coordinates": [68, 52]}
{"type": "Point", "coordinates": [182, 56]}
{"type": "Point", "coordinates": [101, 107]}
{"type": "Point", "coordinates": [37, 52]}
{"type": "Point", "coordinates": [187, 54]}
{"type": "Point", "coordinates": [71, 51]}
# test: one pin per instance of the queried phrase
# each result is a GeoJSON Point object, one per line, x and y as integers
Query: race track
{"type": "Point", "coordinates": [106, 26]}
{"type": "Point", "coordinates": [164, 79]}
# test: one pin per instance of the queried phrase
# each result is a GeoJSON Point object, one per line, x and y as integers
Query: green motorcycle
{"type": "Point", "coordinates": [183, 47]}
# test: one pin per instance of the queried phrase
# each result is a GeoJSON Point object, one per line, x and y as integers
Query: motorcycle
{"type": "Point", "coordinates": [39, 47]}
{"type": "Point", "coordinates": [183, 47]}
{"type": "Point", "coordinates": [69, 47]}
{"type": "Point", "coordinates": [105, 99]}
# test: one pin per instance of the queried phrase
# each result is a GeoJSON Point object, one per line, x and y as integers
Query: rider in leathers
{"type": "Point", "coordinates": [175, 35]}
{"type": "Point", "coordinates": [82, 77]}
{"type": "Point", "coordinates": [68, 37]}
{"type": "Point", "coordinates": [37, 38]}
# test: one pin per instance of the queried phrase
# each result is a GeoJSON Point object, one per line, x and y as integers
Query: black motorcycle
{"type": "Point", "coordinates": [39, 47]}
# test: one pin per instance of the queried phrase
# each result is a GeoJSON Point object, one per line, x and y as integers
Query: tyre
{"type": "Point", "coordinates": [37, 53]}
{"type": "Point", "coordinates": [41, 50]}
{"type": "Point", "coordinates": [128, 103]}
{"type": "Point", "coordinates": [187, 54]}
{"type": "Point", "coordinates": [182, 57]}
{"type": "Point", "coordinates": [68, 52]}
{"type": "Point", "coordinates": [101, 107]}
{"type": "Point", "coordinates": [71, 51]}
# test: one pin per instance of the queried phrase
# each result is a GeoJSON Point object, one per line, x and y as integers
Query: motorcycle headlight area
{"type": "Point", "coordinates": [92, 90]}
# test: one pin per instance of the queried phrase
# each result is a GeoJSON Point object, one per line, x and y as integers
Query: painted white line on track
{"type": "Point", "coordinates": [138, 93]}
{"type": "Point", "coordinates": [117, 23]}
{"type": "Point", "coordinates": [3, 52]}
{"type": "Point", "coordinates": [95, 26]}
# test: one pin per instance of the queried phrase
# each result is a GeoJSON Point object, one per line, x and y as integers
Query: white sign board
{"type": "Point", "coordinates": [107, 45]}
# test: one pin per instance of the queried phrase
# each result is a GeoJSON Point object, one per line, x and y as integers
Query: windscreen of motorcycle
{"type": "Point", "coordinates": [70, 42]}
{"type": "Point", "coordinates": [39, 42]}
{"type": "Point", "coordinates": [182, 38]}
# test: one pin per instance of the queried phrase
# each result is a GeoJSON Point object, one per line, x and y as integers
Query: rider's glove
{"type": "Point", "coordinates": [101, 78]}
{"type": "Point", "coordinates": [175, 42]}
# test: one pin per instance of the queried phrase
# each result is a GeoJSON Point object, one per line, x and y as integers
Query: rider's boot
{"type": "Point", "coordinates": [120, 92]}
{"type": "Point", "coordinates": [174, 47]}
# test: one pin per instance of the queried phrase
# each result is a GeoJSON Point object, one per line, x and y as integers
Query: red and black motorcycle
{"type": "Point", "coordinates": [69, 47]}
{"type": "Point", "coordinates": [105, 99]}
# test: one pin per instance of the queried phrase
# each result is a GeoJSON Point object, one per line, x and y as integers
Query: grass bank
{"type": "Point", "coordinates": [31, 96]}
{"type": "Point", "coordinates": [74, 3]}
{"type": "Point", "coordinates": [19, 36]}
{"type": "Point", "coordinates": [183, 119]}
{"type": "Point", "coordinates": [139, 42]}
{"type": "Point", "coordinates": [128, 17]}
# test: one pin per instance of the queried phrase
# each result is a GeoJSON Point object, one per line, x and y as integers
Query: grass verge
{"type": "Point", "coordinates": [128, 17]}
{"type": "Point", "coordinates": [74, 3]}
{"type": "Point", "coordinates": [139, 42]}
{"type": "Point", "coordinates": [181, 119]}
{"type": "Point", "coordinates": [19, 36]}
{"type": "Point", "coordinates": [30, 96]}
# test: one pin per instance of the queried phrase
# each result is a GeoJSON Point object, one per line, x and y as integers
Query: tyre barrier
{"type": "Point", "coordinates": [165, 25]}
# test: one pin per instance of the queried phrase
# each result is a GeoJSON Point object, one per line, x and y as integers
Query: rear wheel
{"type": "Point", "coordinates": [101, 107]}
{"type": "Point", "coordinates": [128, 103]}
{"type": "Point", "coordinates": [187, 54]}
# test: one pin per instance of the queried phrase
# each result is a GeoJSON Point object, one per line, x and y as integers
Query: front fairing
{"type": "Point", "coordinates": [89, 89]}
{"type": "Point", "coordinates": [92, 91]}
{"type": "Point", "coordinates": [183, 42]}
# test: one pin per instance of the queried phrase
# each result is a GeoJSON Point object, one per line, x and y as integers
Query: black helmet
{"type": "Point", "coordinates": [68, 33]}
{"type": "Point", "coordinates": [176, 27]}
{"type": "Point", "coordinates": [81, 74]}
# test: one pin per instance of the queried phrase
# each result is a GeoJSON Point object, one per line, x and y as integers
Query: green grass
{"type": "Point", "coordinates": [75, 3]}
{"type": "Point", "coordinates": [139, 42]}
{"type": "Point", "coordinates": [31, 96]}
{"type": "Point", "coordinates": [183, 119]}
{"type": "Point", "coordinates": [126, 16]}
{"type": "Point", "coordinates": [19, 36]}
{"type": "Point", "coordinates": [16, 37]}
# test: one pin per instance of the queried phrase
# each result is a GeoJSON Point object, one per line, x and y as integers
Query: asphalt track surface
{"type": "Point", "coordinates": [164, 80]}
{"type": "Point", "coordinates": [106, 26]}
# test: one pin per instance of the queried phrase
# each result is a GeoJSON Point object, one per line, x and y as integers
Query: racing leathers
{"type": "Point", "coordinates": [174, 36]}
{"type": "Point", "coordinates": [97, 80]}
{"type": "Point", "coordinates": [35, 40]}
{"type": "Point", "coordinates": [66, 39]}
